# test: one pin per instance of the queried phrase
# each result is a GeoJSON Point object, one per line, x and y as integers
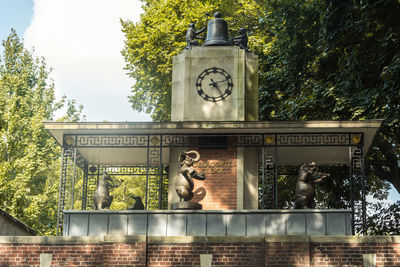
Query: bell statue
{"type": "Point", "coordinates": [217, 32]}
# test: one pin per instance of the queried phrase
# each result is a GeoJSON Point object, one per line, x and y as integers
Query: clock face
{"type": "Point", "coordinates": [214, 84]}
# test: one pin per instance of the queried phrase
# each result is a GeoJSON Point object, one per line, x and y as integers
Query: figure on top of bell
{"type": "Point", "coordinates": [241, 40]}
{"type": "Point", "coordinates": [192, 35]}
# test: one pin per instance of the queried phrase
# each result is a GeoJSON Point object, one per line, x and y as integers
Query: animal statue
{"type": "Point", "coordinates": [102, 198]}
{"type": "Point", "coordinates": [192, 34]}
{"type": "Point", "coordinates": [241, 40]}
{"type": "Point", "coordinates": [138, 204]}
{"type": "Point", "coordinates": [305, 187]}
{"type": "Point", "coordinates": [184, 180]}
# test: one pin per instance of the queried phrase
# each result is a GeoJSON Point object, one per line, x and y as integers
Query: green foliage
{"type": "Point", "coordinates": [131, 186]}
{"type": "Point", "coordinates": [385, 219]}
{"type": "Point", "coordinates": [337, 60]}
{"type": "Point", "coordinates": [29, 158]}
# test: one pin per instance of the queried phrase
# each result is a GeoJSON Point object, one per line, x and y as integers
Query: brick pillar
{"type": "Point", "coordinates": [219, 190]}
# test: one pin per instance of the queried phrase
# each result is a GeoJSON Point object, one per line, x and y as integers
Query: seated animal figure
{"type": "Point", "coordinates": [184, 180]}
{"type": "Point", "coordinates": [241, 40]}
{"type": "Point", "coordinates": [305, 187]}
{"type": "Point", "coordinates": [102, 198]}
{"type": "Point", "coordinates": [138, 204]}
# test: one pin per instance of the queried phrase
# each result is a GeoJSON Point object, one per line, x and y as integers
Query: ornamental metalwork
{"type": "Point", "coordinates": [175, 140]}
{"type": "Point", "coordinates": [156, 188]}
{"type": "Point", "coordinates": [268, 186]}
{"type": "Point", "coordinates": [70, 159]}
{"type": "Point", "coordinates": [250, 140]}
{"type": "Point", "coordinates": [155, 172]}
{"type": "Point", "coordinates": [85, 184]}
{"type": "Point", "coordinates": [358, 184]}
{"type": "Point", "coordinates": [108, 140]}
{"type": "Point", "coordinates": [96, 171]}
{"type": "Point", "coordinates": [312, 139]}
{"type": "Point", "coordinates": [181, 140]}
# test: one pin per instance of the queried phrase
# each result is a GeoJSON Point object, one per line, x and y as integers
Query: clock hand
{"type": "Point", "coordinates": [216, 86]}
{"type": "Point", "coordinates": [221, 81]}
{"type": "Point", "coordinates": [213, 83]}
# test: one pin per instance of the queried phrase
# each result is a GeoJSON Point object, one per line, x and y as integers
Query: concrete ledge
{"type": "Point", "coordinates": [23, 239]}
{"type": "Point", "coordinates": [183, 239]}
{"type": "Point", "coordinates": [46, 240]}
{"type": "Point", "coordinates": [355, 239]}
{"type": "Point", "coordinates": [205, 239]}
{"type": "Point", "coordinates": [288, 238]}
{"type": "Point", "coordinates": [50, 240]}
{"type": "Point", "coordinates": [125, 239]}
{"type": "Point", "coordinates": [271, 211]}
{"type": "Point", "coordinates": [207, 222]}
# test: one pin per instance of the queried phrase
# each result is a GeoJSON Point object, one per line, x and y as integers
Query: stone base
{"type": "Point", "coordinates": [206, 222]}
{"type": "Point", "coordinates": [185, 205]}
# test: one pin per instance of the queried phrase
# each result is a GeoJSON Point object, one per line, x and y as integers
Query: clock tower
{"type": "Point", "coordinates": [215, 83]}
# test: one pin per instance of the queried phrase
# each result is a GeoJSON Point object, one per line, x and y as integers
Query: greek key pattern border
{"type": "Point", "coordinates": [184, 140]}
{"type": "Point", "coordinates": [313, 139]}
{"type": "Point", "coordinates": [356, 159]}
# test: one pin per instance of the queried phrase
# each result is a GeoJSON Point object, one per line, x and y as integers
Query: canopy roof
{"type": "Point", "coordinates": [286, 155]}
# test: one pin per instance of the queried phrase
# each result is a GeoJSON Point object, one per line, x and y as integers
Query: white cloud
{"type": "Point", "coordinates": [82, 41]}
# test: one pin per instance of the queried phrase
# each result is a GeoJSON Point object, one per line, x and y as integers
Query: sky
{"type": "Point", "coordinates": [81, 40]}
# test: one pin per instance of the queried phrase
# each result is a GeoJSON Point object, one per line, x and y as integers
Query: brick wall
{"type": "Point", "coordinates": [287, 254]}
{"type": "Point", "coordinates": [186, 251]}
{"type": "Point", "coordinates": [351, 254]}
{"type": "Point", "coordinates": [219, 190]}
{"type": "Point", "coordinates": [63, 254]}
{"type": "Point", "coordinates": [224, 254]}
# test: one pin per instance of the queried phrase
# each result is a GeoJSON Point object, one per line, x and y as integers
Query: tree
{"type": "Point", "coordinates": [342, 57]}
{"type": "Point", "coordinates": [385, 219]}
{"type": "Point", "coordinates": [29, 157]}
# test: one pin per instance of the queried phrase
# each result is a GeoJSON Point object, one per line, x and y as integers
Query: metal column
{"type": "Point", "coordinates": [269, 185]}
{"type": "Point", "coordinates": [65, 199]}
{"type": "Point", "coordinates": [85, 186]}
{"type": "Point", "coordinates": [154, 173]}
{"type": "Point", "coordinates": [358, 183]}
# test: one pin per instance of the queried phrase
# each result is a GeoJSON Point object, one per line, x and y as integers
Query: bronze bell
{"type": "Point", "coordinates": [217, 32]}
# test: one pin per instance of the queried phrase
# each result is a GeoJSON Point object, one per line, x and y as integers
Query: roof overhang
{"type": "Point", "coordinates": [368, 128]}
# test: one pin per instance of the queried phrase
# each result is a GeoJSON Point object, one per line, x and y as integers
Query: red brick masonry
{"type": "Point", "coordinates": [185, 251]}
{"type": "Point", "coordinates": [220, 185]}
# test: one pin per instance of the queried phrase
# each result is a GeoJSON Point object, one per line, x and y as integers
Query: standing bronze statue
{"type": "Point", "coordinates": [184, 180]}
{"type": "Point", "coordinates": [305, 187]}
{"type": "Point", "coordinates": [102, 198]}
